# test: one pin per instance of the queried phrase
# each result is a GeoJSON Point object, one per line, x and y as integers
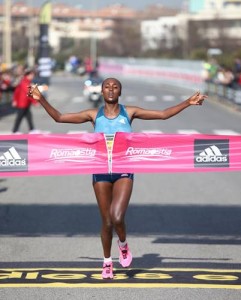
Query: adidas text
{"type": "Point", "coordinates": [206, 159]}
{"type": "Point", "coordinates": [12, 162]}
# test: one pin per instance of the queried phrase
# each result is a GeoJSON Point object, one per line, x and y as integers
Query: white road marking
{"type": "Point", "coordinates": [8, 132]}
{"type": "Point", "coordinates": [225, 132]}
{"type": "Point", "coordinates": [151, 131]}
{"type": "Point", "coordinates": [187, 131]}
{"type": "Point", "coordinates": [130, 99]}
{"type": "Point", "coordinates": [77, 131]}
{"type": "Point", "coordinates": [31, 132]}
{"type": "Point", "coordinates": [37, 131]}
{"type": "Point", "coordinates": [78, 99]}
{"type": "Point", "coordinates": [150, 98]}
{"type": "Point", "coordinates": [168, 98]}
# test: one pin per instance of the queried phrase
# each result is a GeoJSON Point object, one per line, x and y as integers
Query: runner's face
{"type": "Point", "coordinates": [111, 90]}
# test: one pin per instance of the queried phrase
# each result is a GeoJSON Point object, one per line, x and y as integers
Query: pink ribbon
{"type": "Point", "coordinates": [62, 154]}
{"type": "Point", "coordinates": [149, 153]}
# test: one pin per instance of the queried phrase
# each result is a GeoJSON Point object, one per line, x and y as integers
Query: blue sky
{"type": "Point", "coordinates": [87, 4]}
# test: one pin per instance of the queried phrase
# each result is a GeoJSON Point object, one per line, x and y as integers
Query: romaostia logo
{"type": "Point", "coordinates": [64, 154]}
{"type": "Point", "coordinates": [148, 154]}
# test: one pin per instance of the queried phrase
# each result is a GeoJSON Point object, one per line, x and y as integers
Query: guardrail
{"type": "Point", "coordinates": [6, 103]}
{"type": "Point", "coordinates": [184, 73]}
{"type": "Point", "coordinates": [223, 93]}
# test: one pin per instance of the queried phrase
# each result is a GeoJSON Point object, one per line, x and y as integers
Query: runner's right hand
{"type": "Point", "coordinates": [34, 92]}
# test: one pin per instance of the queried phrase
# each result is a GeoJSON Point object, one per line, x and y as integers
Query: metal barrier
{"type": "Point", "coordinates": [182, 73]}
{"type": "Point", "coordinates": [6, 103]}
{"type": "Point", "coordinates": [223, 93]}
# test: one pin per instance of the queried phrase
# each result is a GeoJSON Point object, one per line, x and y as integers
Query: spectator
{"type": "Point", "coordinates": [18, 73]}
{"type": "Point", "coordinates": [5, 81]}
{"type": "Point", "coordinates": [5, 86]}
{"type": "Point", "coordinates": [237, 72]}
{"type": "Point", "coordinates": [229, 77]}
{"type": "Point", "coordinates": [210, 69]}
{"type": "Point", "coordinates": [237, 65]}
{"type": "Point", "coordinates": [238, 80]}
{"type": "Point", "coordinates": [88, 65]}
{"type": "Point", "coordinates": [225, 77]}
{"type": "Point", "coordinates": [219, 79]}
{"type": "Point", "coordinates": [23, 102]}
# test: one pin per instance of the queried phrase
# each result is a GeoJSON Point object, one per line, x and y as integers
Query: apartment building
{"type": "Point", "coordinates": [217, 23]}
{"type": "Point", "coordinates": [203, 24]}
{"type": "Point", "coordinates": [67, 21]}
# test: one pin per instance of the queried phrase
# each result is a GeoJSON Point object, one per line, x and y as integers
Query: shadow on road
{"type": "Point", "coordinates": [146, 262]}
{"type": "Point", "coordinates": [169, 223]}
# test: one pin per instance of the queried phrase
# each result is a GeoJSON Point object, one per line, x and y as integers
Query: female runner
{"type": "Point", "coordinates": [113, 191]}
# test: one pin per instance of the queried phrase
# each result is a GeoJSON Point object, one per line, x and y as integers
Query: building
{"type": "Point", "coordinates": [160, 33]}
{"type": "Point", "coordinates": [220, 5]}
{"type": "Point", "coordinates": [207, 23]}
{"type": "Point", "coordinates": [67, 22]}
{"type": "Point", "coordinates": [195, 6]}
{"type": "Point", "coordinates": [216, 25]}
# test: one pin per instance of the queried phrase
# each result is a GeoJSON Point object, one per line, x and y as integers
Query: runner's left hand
{"type": "Point", "coordinates": [197, 99]}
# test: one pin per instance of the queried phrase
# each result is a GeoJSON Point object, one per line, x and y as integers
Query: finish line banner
{"type": "Point", "coordinates": [63, 154]}
{"type": "Point", "coordinates": [156, 153]}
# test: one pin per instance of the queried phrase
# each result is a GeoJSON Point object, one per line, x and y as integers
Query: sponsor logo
{"type": "Point", "coordinates": [148, 153]}
{"type": "Point", "coordinates": [13, 156]}
{"type": "Point", "coordinates": [122, 121]}
{"type": "Point", "coordinates": [109, 140]}
{"type": "Point", "coordinates": [75, 155]}
{"type": "Point", "coordinates": [133, 278]}
{"type": "Point", "coordinates": [124, 175]}
{"type": "Point", "coordinates": [211, 153]}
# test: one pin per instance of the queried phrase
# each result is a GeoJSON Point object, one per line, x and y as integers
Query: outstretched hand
{"type": "Point", "coordinates": [34, 92]}
{"type": "Point", "coordinates": [197, 99]}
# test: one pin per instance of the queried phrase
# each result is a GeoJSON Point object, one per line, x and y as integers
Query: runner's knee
{"type": "Point", "coordinates": [117, 219]}
{"type": "Point", "coordinates": [107, 224]}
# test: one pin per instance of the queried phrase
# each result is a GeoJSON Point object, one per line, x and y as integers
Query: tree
{"type": "Point", "coordinates": [124, 41]}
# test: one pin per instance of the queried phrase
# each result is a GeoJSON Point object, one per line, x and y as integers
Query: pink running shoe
{"type": "Point", "coordinates": [107, 272]}
{"type": "Point", "coordinates": [125, 257]}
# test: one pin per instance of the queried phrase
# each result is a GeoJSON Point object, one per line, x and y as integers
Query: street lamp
{"type": "Point", "coordinates": [7, 38]}
{"type": "Point", "coordinates": [93, 40]}
{"type": "Point", "coordinates": [31, 43]}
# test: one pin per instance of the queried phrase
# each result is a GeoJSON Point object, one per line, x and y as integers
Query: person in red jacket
{"type": "Point", "coordinates": [23, 102]}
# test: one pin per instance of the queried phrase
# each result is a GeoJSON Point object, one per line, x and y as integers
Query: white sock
{"type": "Point", "coordinates": [122, 244]}
{"type": "Point", "coordinates": [107, 260]}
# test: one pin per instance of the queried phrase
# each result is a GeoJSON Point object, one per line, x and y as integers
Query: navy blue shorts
{"type": "Point", "coordinates": [113, 177]}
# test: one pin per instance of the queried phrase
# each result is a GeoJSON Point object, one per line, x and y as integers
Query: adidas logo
{"type": "Point", "coordinates": [11, 158]}
{"type": "Point", "coordinates": [11, 154]}
{"type": "Point", "coordinates": [211, 151]}
{"type": "Point", "coordinates": [211, 154]}
{"type": "Point", "coordinates": [122, 121]}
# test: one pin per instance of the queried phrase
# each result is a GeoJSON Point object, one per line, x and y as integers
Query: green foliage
{"type": "Point", "coordinates": [237, 53]}
{"type": "Point", "coordinates": [226, 60]}
{"type": "Point", "coordinates": [69, 47]}
{"type": "Point", "coordinates": [20, 56]}
{"type": "Point", "coordinates": [198, 54]}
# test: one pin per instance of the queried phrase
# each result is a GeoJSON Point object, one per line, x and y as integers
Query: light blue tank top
{"type": "Point", "coordinates": [109, 126]}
